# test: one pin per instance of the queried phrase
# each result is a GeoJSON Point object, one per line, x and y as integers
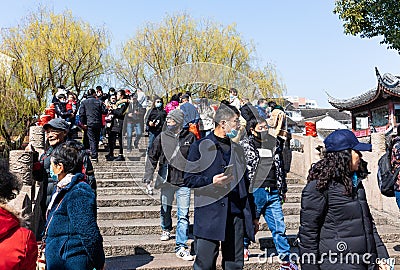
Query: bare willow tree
{"type": "Point", "coordinates": [177, 40]}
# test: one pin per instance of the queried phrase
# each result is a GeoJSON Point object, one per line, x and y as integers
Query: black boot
{"type": "Point", "coordinates": [120, 158]}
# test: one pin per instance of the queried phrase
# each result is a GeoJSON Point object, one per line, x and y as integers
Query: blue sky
{"type": "Point", "coordinates": [303, 39]}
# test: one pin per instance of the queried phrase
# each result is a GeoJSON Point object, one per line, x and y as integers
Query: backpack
{"type": "Point", "coordinates": [386, 178]}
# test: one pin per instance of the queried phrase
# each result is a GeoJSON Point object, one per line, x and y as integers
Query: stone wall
{"type": "Point", "coordinates": [301, 163]}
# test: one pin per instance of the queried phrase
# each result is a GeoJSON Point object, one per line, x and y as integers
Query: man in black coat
{"type": "Point", "coordinates": [224, 208]}
{"type": "Point", "coordinates": [90, 114]}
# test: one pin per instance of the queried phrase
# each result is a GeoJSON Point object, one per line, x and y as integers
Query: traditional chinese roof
{"type": "Point", "coordinates": [388, 85]}
{"type": "Point", "coordinates": [334, 113]}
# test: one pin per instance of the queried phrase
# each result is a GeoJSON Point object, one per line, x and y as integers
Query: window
{"type": "Point", "coordinates": [397, 113]}
{"type": "Point", "coordinates": [380, 116]}
{"type": "Point", "coordinates": [361, 120]}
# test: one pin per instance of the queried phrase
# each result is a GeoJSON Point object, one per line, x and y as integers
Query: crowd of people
{"type": "Point", "coordinates": [230, 155]}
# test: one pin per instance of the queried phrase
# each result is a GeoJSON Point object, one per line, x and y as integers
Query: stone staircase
{"type": "Point", "coordinates": [129, 221]}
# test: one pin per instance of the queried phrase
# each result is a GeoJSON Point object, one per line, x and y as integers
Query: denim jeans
{"type": "Point", "coordinates": [183, 204]}
{"type": "Point", "coordinates": [129, 131]}
{"type": "Point", "coordinates": [152, 136]}
{"type": "Point", "coordinates": [397, 194]}
{"type": "Point", "coordinates": [269, 205]}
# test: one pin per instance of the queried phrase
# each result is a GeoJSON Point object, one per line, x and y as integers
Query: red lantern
{"type": "Point", "coordinates": [311, 129]}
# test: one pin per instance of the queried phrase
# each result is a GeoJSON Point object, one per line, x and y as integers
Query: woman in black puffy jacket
{"type": "Point", "coordinates": [337, 230]}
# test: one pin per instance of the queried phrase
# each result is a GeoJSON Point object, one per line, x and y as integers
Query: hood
{"type": "Point", "coordinates": [9, 219]}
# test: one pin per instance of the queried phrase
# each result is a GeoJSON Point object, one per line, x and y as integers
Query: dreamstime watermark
{"type": "Point", "coordinates": [340, 256]}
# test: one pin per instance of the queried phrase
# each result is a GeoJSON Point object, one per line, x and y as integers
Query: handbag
{"type": "Point", "coordinates": [41, 259]}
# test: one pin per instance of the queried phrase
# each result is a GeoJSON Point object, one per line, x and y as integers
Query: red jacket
{"type": "Point", "coordinates": [17, 244]}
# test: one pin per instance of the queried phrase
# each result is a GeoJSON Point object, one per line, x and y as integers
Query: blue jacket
{"type": "Point", "coordinates": [191, 115]}
{"type": "Point", "coordinates": [73, 237]}
{"type": "Point", "coordinates": [205, 160]}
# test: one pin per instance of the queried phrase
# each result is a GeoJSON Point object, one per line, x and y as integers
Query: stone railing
{"type": "Point", "coordinates": [302, 161]}
{"type": "Point", "coordinates": [20, 164]}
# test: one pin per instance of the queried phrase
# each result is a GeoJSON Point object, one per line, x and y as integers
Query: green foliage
{"type": "Point", "coordinates": [371, 18]}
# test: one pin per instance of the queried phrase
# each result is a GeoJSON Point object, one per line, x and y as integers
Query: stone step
{"type": "Point", "coordinates": [147, 256]}
{"type": "Point", "coordinates": [119, 168]}
{"type": "Point", "coordinates": [139, 189]}
{"type": "Point", "coordinates": [123, 245]}
{"type": "Point", "coordinates": [134, 212]}
{"type": "Point", "coordinates": [103, 161]}
{"type": "Point", "coordinates": [138, 200]}
{"type": "Point", "coordinates": [119, 175]}
{"type": "Point", "coordinates": [127, 200]}
{"type": "Point", "coordinates": [389, 234]}
{"type": "Point", "coordinates": [135, 181]}
{"type": "Point", "coordinates": [168, 261]}
{"type": "Point", "coordinates": [136, 190]}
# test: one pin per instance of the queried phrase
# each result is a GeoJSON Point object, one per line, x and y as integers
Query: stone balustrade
{"type": "Point", "coordinates": [302, 161]}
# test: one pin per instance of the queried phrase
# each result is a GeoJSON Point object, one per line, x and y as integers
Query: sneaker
{"type": "Point", "coordinates": [149, 189]}
{"type": "Point", "coordinates": [246, 254]}
{"type": "Point", "coordinates": [120, 158]}
{"type": "Point", "coordinates": [288, 266]}
{"type": "Point", "coordinates": [184, 254]}
{"type": "Point", "coordinates": [165, 236]}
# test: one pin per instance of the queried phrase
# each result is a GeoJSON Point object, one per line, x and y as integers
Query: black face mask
{"type": "Point", "coordinates": [261, 136]}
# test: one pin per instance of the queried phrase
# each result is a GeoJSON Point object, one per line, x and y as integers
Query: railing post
{"type": "Point", "coordinates": [20, 164]}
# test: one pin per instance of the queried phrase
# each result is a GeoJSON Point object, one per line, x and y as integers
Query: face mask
{"type": "Point", "coordinates": [53, 175]}
{"type": "Point", "coordinates": [232, 134]}
{"type": "Point", "coordinates": [265, 106]}
{"type": "Point", "coordinates": [158, 105]}
{"type": "Point", "coordinates": [231, 97]}
{"type": "Point", "coordinates": [172, 127]}
{"type": "Point", "coordinates": [261, 136]}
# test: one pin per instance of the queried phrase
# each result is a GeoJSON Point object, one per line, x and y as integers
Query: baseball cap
{"type": "Point", "coordinates": [57, 123]}
{"type": "Point", "coordinates": [343, 139]}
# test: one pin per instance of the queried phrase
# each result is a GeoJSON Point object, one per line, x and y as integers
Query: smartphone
{"type": "Point", "coordinates": [228, 170]}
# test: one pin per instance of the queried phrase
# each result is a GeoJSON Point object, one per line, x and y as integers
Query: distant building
{"type": "Point", "coordinates": [377, 110]}
{"type": "Point", "coordinates": [302, 102]}
{"type": "Point", "coordinates": [326, 120]}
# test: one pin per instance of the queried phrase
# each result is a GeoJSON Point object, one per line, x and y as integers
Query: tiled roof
{"type": "Point", "coordinates": [334, 113]}
{"type": "Point", "coordinates": [387, 83]}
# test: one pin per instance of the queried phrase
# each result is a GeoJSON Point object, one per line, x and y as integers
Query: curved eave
{"type": "Point", "coordinates": [393, 90]}
{"type": "Point", "coordinates": [354, 102]}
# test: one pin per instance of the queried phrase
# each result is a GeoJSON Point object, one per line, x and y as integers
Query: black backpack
{"type": "Point", "coordinates": [386, 178]}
